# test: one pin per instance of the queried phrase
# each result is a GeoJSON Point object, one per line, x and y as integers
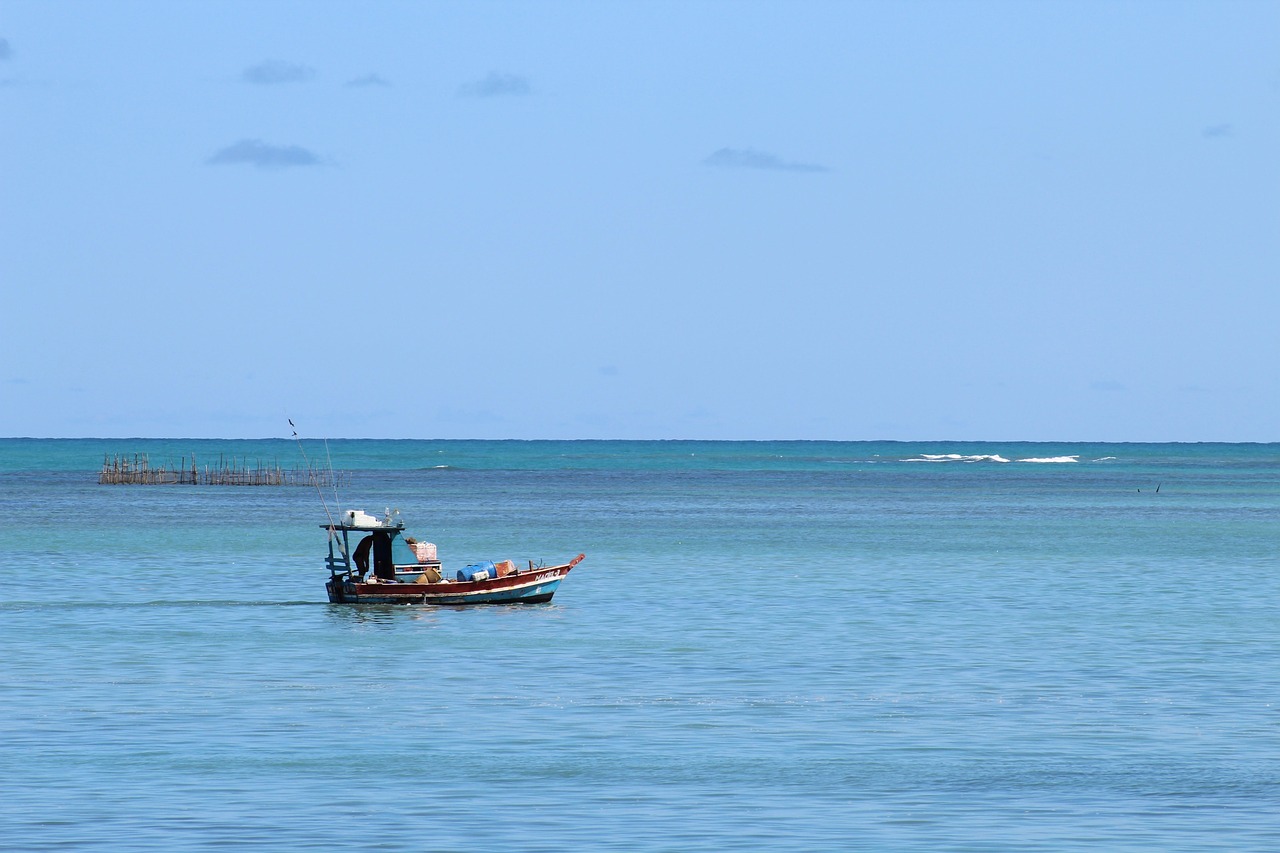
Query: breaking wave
{"type": "Point", "coordinates": [989, 457]}
{"type": "Point", "coordinates": [955, 457]}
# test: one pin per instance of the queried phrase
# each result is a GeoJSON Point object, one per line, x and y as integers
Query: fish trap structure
{"type": "Point", "coordinates": [137, 470]}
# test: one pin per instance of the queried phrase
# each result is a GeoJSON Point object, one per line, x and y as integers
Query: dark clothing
{"type": "Point", "coordinates": [361, 554]}
{"type": "Point", "coordinates": [383, 566]}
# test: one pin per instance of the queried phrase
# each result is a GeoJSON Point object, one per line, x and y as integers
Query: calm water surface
{"type": "Point", "coordinates": [770, 646]}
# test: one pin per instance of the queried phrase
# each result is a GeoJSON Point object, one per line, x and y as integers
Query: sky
{"type": "Point", "coordinates": [1054, 221]}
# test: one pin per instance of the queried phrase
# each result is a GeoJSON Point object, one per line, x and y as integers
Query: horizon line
{"type": "Point", "coordinates": [690, 440]}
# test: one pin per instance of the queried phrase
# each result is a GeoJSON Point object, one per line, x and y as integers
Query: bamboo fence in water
{"type": "Point", "coordinates": [136, 470]}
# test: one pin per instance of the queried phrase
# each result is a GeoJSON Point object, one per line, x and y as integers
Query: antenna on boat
{"type": "Point", "coordinates": [323, 503]}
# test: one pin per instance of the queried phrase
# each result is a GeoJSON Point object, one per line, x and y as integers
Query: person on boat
{"type": "Point", "coordinates": [380, 544]}
{"type": "Point", "coordinates": [361, 555]}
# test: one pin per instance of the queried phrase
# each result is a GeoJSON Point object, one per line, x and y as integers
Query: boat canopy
{"type": "Point", "coordinates": [358, 536]}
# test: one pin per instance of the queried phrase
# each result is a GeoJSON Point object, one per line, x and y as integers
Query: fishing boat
{"type": "Point", "coordinates": [371, 561]}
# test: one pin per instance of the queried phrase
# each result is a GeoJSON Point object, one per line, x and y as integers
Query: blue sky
{"type": "Point", "coordinates": [854, 220]}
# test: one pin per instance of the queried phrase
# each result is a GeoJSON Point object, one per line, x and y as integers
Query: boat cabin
{"type": "Point", "coordinates": [361, 544]}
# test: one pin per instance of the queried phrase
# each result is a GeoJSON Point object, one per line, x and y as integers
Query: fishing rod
{"type": "Point", "coordinates": [314, 480]}
{"type": "Point", "coordinates": [333, 478]}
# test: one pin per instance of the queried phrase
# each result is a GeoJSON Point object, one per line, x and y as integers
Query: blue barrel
{"type": "Point", "coordinates": [469, 572]}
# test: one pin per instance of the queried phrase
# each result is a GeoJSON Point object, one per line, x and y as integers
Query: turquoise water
{"type": "Point", "coordinates": [770, 646]}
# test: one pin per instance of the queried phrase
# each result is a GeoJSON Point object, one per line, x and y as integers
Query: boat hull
{"type": "Point", "coordinates": [535, 586]}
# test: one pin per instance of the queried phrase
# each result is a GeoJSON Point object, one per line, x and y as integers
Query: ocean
{"type": "Point", "coordinates": [770, 646]}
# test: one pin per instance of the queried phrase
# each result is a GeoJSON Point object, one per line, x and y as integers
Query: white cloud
{"type": "Point", "coordinates": [367, 81]}
{"type": "Point", "coordinates": [273, 72]}
{"type": "Point", "coordinates": [749, 158]}
{"type": "Point", "coordinates": [255, 152]}
{"type": "Point", "coordinates": [497, 85]}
